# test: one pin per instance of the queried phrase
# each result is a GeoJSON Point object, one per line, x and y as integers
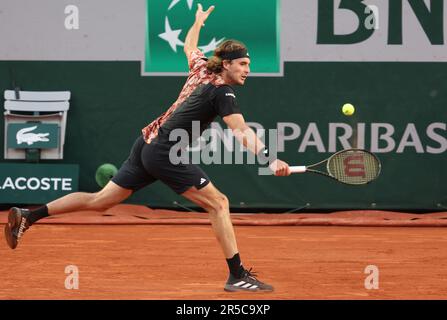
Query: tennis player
{"type": "Point", "coordinates": [208, 93]}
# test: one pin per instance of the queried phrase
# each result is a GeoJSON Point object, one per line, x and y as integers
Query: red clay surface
{"type": "Point", "coordinates": [125, 214]}
{"type": "Point", "coordinates": [185, 262]}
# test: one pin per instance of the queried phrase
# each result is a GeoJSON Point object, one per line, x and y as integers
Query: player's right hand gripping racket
{"type": "Point", "coordinates": [350, 166]}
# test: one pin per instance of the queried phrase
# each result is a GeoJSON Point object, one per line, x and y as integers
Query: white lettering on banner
{"type": "Point", "coordinates": [56, 180]}
{"type": "Point", "coordinates": [437, 138]}
{"type": "Point", "coordinates": [282, 127]}
{"type": "Point", "coordinates": [8, 184]}
{"type": "Point", "coordinates": [216, 145]}
{"type": "Point", "coordinates": [45, 184]}
{"type": "Point", "coordinates": [387, 136]}
{"type": "Point", "coordinates": [343, 138]}
{"type": "Point", "coordinates": [376, 137]}
{"type": "Point", "coordinates": [34, 184]}
{"type": "Point", "coordinates": [312, 138]}
{"type": "Point", "coordinates": [21, 187]}
{"type": "Point", "coordinates": [66, 185]}
{"type": "Point", "coordinates": [410, 139]}
{"type": "Point", "coordinates": [361, 135]}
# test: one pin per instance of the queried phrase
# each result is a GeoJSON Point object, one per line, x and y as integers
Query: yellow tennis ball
{"type": "Point", "coordinates": [348, 109]}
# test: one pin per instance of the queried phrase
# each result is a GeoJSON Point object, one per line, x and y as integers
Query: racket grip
{"type": "Point", "coordinates": [298, 169]}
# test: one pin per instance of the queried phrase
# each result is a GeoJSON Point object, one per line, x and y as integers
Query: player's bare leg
{"type": "Point", "coordinates": [19, 220]}
{"type": "Point", "coordinates": [217, 206]}
{"type": "Point", "coordinates": [109, 196]}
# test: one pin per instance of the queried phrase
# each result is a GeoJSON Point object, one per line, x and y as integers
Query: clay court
{"type": "Point", "coordinates": [132, 252]}
{"type": "Point", "coordinates": [332, 112]}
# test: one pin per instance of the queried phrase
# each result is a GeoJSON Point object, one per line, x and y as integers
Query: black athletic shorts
{"type": "Point", "coordinates": [148, 163]}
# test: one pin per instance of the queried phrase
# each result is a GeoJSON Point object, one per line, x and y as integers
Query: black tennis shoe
{"type": "Point", "coordinates": [16, 226]}
{"type": "Point", "coordinates": [247, 282]}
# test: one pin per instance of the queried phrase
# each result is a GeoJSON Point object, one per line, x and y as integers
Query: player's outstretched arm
{"type": "Point", "coordinates": [192, 38]}
{"type": "Point", "coordinates": [248, 138]}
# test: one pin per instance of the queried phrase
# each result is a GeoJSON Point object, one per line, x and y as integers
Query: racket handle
{"type": "Point", "coordinates": [298, 169]}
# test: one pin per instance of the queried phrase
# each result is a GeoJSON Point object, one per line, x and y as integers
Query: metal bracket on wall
{"type": "Point", "coordinates": [182, 206]}
{"type": "Point", "coordinates": [307, 205]}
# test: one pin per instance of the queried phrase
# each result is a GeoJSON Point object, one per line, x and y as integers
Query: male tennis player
{"type": "Point", "coordinates": [206, 95]}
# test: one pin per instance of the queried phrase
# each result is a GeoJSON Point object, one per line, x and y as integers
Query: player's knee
{"type": "Point", "coordinates": [219, 204]}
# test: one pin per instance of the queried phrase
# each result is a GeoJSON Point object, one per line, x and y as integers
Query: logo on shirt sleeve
{"type": "Point", "coordinates": [229, 94]}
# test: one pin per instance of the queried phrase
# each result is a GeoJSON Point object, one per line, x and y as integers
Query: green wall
{"type": "Point", "coordinates": [111, 102]}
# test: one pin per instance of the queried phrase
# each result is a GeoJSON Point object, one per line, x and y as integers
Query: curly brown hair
{"type": "Point", "coordinates": [215, 63]}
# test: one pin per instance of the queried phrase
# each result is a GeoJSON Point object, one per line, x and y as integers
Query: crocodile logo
{"type": "Point", "coordinates": [26, 136]}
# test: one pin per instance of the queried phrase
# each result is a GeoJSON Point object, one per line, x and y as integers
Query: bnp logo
{"type": "Point", "coordinates": [429, 14]}
{"type": "Point", "coordinates": [254, 22]}
{"type": "Point", "coordinates": [30, 135]}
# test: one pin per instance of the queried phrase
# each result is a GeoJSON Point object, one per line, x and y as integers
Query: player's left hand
{"type": "Point", "coordinates": [201, 15]}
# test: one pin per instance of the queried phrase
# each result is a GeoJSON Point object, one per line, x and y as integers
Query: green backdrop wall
{"type": "Point", "coordinates": [111, 102]}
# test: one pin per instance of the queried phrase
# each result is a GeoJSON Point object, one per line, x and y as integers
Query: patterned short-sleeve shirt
{"type": "Point", "coordinates": [198, 75]}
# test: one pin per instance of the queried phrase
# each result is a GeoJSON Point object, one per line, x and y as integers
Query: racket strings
{"type": "Point", "coordinates": [354, 167]}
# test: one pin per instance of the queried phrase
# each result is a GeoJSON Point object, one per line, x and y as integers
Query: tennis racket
{"type": "Point", "coordinates": [350, 166]}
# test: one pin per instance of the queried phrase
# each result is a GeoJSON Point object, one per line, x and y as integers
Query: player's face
{"type": "Point", "coordinates": [238, 70]}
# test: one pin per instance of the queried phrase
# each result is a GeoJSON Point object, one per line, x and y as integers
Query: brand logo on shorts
{"type": "Point", "coordinates": [202, 181]}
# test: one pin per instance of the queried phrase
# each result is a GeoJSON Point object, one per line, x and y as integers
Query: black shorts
{"type": "Point", "coordinates": [148, 163]}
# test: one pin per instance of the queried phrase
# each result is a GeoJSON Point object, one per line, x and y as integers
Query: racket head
{"type": "Point", "coordinates": [354, 166]}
